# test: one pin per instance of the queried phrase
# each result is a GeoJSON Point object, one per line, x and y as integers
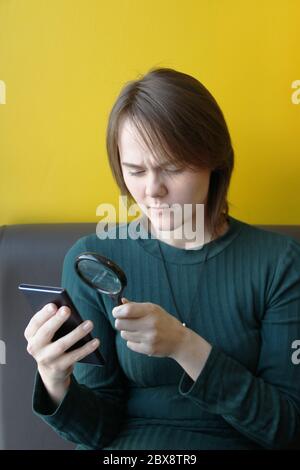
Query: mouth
{"type": "Point", "coordinates": [166, 206]}
{"type": "Point", "coordinates": [158, 209]}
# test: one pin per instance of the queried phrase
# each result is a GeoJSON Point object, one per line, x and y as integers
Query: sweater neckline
{"type": "Point", "coordinates": [176, 255]}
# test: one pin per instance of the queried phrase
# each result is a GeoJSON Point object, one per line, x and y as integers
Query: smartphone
{"type": "Point", "coordinates": [39, 296]}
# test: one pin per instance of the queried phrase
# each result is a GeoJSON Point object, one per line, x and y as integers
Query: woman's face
{"type": "Point", "coordinates": [151, 185]}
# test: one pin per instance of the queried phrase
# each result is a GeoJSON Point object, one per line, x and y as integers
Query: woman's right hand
{"type": "Point", "coordinates": [55, 366]}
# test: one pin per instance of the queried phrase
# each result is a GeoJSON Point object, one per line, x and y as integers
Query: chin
{"type": "Point", "coordinates": [164, 223]}
{"type": "Point", "coordinates": [163, 227]}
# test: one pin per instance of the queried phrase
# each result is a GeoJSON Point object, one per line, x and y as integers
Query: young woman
{"type": "Point", "coordinates": [199, 356]}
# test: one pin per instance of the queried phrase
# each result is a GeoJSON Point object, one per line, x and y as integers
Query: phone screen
{"type": "Point", "coordinates": [38, 296]}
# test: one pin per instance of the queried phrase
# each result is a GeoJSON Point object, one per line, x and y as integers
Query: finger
{"type": "Point", "coordinates": [46, 332]}
{"type": "Point", "coordinates": [134, 337]}
{"type": "Point", "coordinates": [39, 319]}
{"type": "Point", "coordinates": [131, 310]}
{"type": "Point", "coordinates": [68, 359]}
{"type": "Point", "coordinates": [139, 348]}
{"type": "Point", "coordinates": [58, 347]}
{"type": "Point", "coordinates": [131, 324]}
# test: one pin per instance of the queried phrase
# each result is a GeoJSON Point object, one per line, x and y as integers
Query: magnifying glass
{"type": "Point", "coordinates": [102, 274]}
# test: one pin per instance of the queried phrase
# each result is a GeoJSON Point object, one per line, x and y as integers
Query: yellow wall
{"type": "Point", "coordinates": [63, 63]}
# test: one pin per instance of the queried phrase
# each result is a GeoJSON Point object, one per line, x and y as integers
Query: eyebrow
{"type": "Point", "coordinates": [132, 165]}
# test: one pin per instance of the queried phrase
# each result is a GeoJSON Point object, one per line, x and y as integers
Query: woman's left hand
{"type": "Point", "coordinates": [148, 328]}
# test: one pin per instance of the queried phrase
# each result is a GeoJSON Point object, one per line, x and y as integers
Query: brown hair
{"type": "Point", "coordinates": [177, 117]}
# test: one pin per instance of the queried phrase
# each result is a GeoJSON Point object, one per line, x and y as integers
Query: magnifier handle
{"type": "Point", "coordinates": [117, 299]}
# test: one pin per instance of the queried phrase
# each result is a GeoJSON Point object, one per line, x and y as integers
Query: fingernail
{"type": "Point", "coordinates": [51, 308]}
{"type": "Point", "coordinates": [87, 325]}
{"type": "Point", "coordinates": [64, 311]}
{"type": "Point", "coordinates": [119, 312]}
{"type": "Point", "coordinates": [116, 311]}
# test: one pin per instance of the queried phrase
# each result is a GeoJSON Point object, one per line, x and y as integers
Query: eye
{"type": "Point", "coordinates": [135, 172]}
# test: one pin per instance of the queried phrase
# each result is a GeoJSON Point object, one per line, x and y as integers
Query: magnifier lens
{"type": "Point", "coordinates": [100, 276]}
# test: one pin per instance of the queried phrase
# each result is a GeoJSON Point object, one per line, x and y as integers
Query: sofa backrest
{"type": "Point", "coordinates": [34, 253]}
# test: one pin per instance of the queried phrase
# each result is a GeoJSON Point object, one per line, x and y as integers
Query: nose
{"type": "Point", "coordinates": [155, 187]}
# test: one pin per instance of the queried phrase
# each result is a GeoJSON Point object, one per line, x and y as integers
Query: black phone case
{"type": "Point", "coordinates": [38, 296]}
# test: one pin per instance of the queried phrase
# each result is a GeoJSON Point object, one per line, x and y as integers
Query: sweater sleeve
{"type": "Point", "coordinates": [93, 407]}
{"type": "Point", "coordinates": [264, 406]}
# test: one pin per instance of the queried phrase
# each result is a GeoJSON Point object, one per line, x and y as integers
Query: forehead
{"type": "Point", "coordinates": [129, 137]}
{"type": "Point", "coordinates": [132, 148]}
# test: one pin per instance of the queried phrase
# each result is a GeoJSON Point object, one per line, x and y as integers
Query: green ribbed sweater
{"type": "Point", "coordinates": [247, 307]}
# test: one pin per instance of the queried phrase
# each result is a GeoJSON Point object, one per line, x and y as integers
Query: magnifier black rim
{"type": "Point", "coordinates": [92, 256]}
